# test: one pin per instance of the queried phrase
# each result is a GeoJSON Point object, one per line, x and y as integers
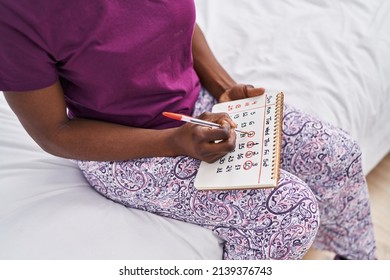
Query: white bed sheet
{"type": "Point", "coordinates": [331, 58]}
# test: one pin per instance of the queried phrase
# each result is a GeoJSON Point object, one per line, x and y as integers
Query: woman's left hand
{"type": "Point", "coordinates": [240, 91]}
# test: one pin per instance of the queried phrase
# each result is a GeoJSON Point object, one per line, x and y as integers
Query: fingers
{"type": "Point", "coordinates": [240, 91]}
{"type": "Point", "coordinates": [218, 142]}
{"type": "Point", "coordinates": [252, 92]}
{"type": "Point", "coordinates": [213, 143]}
{"type": "Point", "coordinates": [218, 135]}
{"type": "Point", "coordinates": [219, 118]}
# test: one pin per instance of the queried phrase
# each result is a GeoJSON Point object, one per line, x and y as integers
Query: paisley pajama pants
{"type": "Point", "coordinates": [321, 198]}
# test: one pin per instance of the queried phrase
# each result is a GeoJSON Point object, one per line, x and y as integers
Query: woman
{"type": "Point", "coordinates": [88, 81]}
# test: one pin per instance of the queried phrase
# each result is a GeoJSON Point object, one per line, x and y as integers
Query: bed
{"type": "Point", "coordinates": [331, 59]}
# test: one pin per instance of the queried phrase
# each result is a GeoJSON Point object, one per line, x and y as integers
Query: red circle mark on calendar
{"type": "Point", "coordinates": [247, 165]}
{"type": "Point", "coordinates": [249, 154]}
{"type": "Point", "coordinates": [251, 134]}
{"type": "Point", "coordinates": [250, 144]}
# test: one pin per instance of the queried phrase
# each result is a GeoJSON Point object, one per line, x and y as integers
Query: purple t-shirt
{"type": "Point", "coordinates": [122, 61]}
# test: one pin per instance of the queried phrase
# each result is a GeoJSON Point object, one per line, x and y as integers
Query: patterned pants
{"type": "Point", "coordinates": [321, 176]}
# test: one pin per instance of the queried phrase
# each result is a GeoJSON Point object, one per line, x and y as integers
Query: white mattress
{"type": "Point", "coordinates": [331, 58]}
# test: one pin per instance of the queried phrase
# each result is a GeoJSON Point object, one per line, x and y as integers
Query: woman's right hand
{"type": "Point", "coordinates": [203, 143]}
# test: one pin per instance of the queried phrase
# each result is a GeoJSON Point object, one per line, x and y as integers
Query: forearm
{"type": "Point", "coordinates": [211, 74]}
{"type": "Point", "coordinates": [93, 140]}
{"type": "Point", "coordinates": [43, 114]}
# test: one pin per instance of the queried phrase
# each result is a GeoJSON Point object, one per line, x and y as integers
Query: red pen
{"type": "Point", "coordinates": [189, 119]}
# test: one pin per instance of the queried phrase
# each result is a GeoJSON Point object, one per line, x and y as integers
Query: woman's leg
{"type": "Point", "coordinates": [329, 161]}
{"type": "Point", "coordinates": [276, 223]}
{"type": "Point", "coordinates": [256, 224]}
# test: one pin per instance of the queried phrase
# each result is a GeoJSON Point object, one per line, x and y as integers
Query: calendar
{"type": "Point", "coordinates": [254, 163]}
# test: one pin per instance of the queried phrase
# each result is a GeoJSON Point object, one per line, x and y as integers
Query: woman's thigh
{"type": "Point", "coordinates": [276, 223]}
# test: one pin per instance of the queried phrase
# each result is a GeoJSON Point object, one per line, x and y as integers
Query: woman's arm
{"type": "Point", "coordinates": [213, 76]}
{"type": "Point", "coordinates": [43, 115]}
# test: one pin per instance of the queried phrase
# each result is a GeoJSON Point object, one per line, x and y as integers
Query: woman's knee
{"type": "Point", "coordinates": [295, 204]}
{"type": "Point", "coordinates": [322, 155]}
{"type": "Point", "coordinates": [293, 196]}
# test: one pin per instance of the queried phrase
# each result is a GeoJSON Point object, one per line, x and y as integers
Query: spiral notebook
{"type": "Point", "coordinates": [255, 161]}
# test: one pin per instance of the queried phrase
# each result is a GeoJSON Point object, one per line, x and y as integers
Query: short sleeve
{"type": "Point", "coordinates": [25, 62]}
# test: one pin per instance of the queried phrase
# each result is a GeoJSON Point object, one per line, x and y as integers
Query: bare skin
{"type": "Point", "coordinates": [42, 113]}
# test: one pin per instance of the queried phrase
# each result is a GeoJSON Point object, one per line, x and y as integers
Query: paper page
{"type": "Point", "coordinates": [251, 163]}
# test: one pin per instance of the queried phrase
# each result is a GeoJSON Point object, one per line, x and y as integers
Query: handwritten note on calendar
{"type": "Point", "coordinates": [254, 163]}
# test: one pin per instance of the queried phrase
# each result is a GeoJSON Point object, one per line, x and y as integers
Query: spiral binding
{"type": "Point", "coordinates": [278, 136]}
